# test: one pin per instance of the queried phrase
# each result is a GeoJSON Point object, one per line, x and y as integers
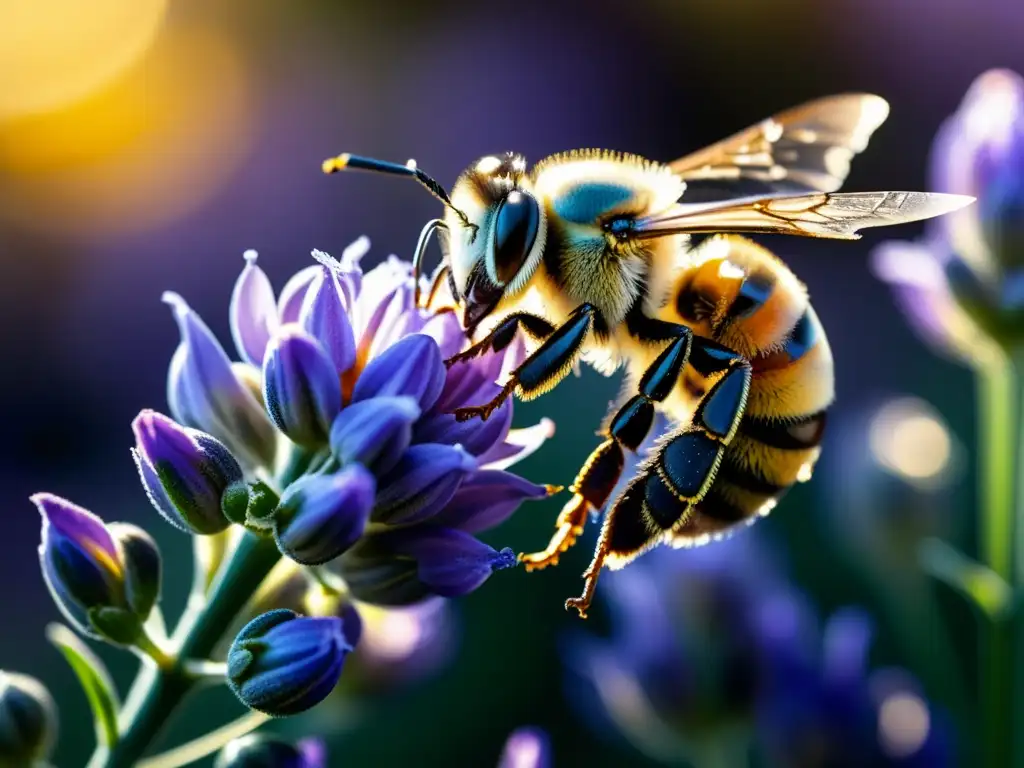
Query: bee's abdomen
{"type": "Point", "coordinates": [749, 301]}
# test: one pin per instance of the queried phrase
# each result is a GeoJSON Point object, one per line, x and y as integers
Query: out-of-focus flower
{"type": "Point", "coordinates": [28, 721]}
{"type": "Point", "coordinates": [104, 578]}
{"type": "Point", "coordinates": [321, 516]}
{"type": "Point", "coordinates": [689, 650]}
{"type": "Point", "coordinates": [962, 286]}
{"type": "Point", "coordinates": [822, 707]}
{"type": "Point", "coordinates": [260, 751]}
{"type": "Point", "coordinates": [184, 471]}
{"type": "Point", "coordinates": [353, 374]}
{"type": "Point", "coordinates": [526, 747]}
{"type": "Point", "coordinates": [282, 663]}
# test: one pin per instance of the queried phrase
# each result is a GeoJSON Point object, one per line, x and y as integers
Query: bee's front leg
{"type": "Point", "coordinates": [535, 327]}
{"type": "Point", "coordinates": [542, 370]}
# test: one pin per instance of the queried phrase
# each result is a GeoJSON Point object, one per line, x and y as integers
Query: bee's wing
{"type": "Point", "coordinates": [804, 149]}
{"type": "Point", "coordinates": [838, 216]}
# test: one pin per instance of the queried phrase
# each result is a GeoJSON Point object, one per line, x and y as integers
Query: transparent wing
{"type": "Point", "coordinates": [804, 149]}
{"type": "Point", "coordinates": [837, 216]}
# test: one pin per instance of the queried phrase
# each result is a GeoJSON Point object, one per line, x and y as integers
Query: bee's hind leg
{"type": "Point", "coordinates": [627, 430]}
{"type": "Point", "coordinates": [544, 368]}
{"type": "Point", "coordinates": [680, 474]}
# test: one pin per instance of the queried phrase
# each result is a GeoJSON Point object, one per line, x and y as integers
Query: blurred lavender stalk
{"type": "Point", "coordinates": [962, 289]}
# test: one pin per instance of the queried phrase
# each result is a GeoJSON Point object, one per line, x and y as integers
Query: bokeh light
{"type": "Point", "coordinates": [55, 52]}
{"type": "Point", "coordinates": [903, 724]}
{"type": "Point", "coordinates": [909, 439]}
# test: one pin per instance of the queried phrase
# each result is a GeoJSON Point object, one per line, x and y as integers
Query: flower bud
{"type": "Point", "coordinates": [28, 720]}
{"type": "Point", "coordinates": [321, 516]}
{"type": "Point", "coordinates": [204, 392]}
{"type": "Point", "coordinates": [184, 471]}
{"type": "Point", "coordinates": [412, 367]}
{"type": "Point", "coordinates": [105, 579]}
{"type": "Point", "coordinates": [401, 567]}
{"type": "Point", "coordinates": [324, 315]}
{"type": "Point", "coordinates": [252, 312]}
{"type": "Point", "coordinates": [421, 483]}
{"type": "Point", "coordinates": [375, 432]}
{"type": "Point", "coordinates": [300, 387]}
{"type": "Point", "coordinates": [261, 751]}
{"type": "Point", "coordinates": [282, 663]}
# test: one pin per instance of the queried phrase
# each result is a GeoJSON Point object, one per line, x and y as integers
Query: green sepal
{"type": "Point", "coordinates": [984, 588]}
{"type": "Point", "coordinates": [118, 625]}
{"type": "Point", "coordinates": [250, 504]}
{"type": "Point", "coordinates": [142, 567]}
{"type": "Point", "coordinates": [95, 681]}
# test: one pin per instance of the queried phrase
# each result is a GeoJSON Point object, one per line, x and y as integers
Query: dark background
{"type": "Point", "coordinates": [210, 143]}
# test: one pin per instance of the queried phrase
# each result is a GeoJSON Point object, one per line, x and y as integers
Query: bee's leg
{"type": "Point", "coordinates": [534, 326]}
{"type": "Point", "coordinates": [627, 429]}
{"type": "Point", "coordinates": [674, 481]}
{"type": "Point", "coordinates": [542, 370]}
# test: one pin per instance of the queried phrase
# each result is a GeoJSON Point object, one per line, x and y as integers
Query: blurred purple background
{"type": "Point", "coordinates": [208, 139]}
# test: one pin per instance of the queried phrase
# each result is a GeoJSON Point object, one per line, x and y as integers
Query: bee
{"type": "Point", "coordinates": [589, 255]}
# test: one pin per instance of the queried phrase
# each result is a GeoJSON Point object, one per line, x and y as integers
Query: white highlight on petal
{"type": "Point", "coordinates": [903, 724]}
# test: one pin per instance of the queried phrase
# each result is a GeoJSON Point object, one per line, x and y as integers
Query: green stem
{"type": "Point", "coordinates": [157, 693]}
{"type": "Point", "coordinates": [998, 443]}
{"type": "Point", "coordinates": [1016, 630]}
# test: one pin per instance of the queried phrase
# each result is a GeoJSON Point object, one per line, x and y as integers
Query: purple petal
{"type": "Point", "coordinates": [321, 516]}
{"type": "Point", "coordinates": [519, 444]}
{"type": "Point", "coordinates": [475, 435]}
{"type": "Point", "coordinates": [253, 313]}
{"type": "Point", "coordinates": [77, 524]}
{"type": "Point", "coordinates": [301, 386]}
{"type": "Point", "coordinates": [325, 318]}
{"type": "Point", "coordinates": [374, 432]}
{"type": "Point", "coordinates": [423, 481]}
{"type": "Point", "coordinates": [412, 367]}
{"type": "Point", "coordinates": [485, 499]}
{"type": "Point", "coordinates": [289, 305]}
{"type": "Point", "coordinates": [399, 319]}
{"type": "Point", "coordinates": [204, 392]}
{"type": "Point", "coordinates": [451, 563]}
{"type": "Point", "coordinates": [447, 332]}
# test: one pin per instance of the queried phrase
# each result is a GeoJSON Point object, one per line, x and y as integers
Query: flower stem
{"type": "Point", "coordinates": [1016, 631]}
{"type": "Point", "coordinates": [998, 449]}
{"type": "Point", "coordinates": [157, 692]}
{"type": "Point", "coordinates": [206, 744]}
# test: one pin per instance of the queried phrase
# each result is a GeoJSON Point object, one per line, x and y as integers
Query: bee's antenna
{"type": "Point", "coordinates": [341, 162]}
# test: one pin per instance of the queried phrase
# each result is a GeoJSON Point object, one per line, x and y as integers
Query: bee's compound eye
{"type": "Point", "coordinates": [515, 231]}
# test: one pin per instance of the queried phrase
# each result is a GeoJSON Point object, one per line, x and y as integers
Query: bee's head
{"type": "Point", "coordinates": [494, 225]}
{"type": "Point", "coordinates": [498, 253]}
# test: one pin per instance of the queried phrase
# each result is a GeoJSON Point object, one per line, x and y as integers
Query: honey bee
{"type": "Point", "coordinates": [589, 255]}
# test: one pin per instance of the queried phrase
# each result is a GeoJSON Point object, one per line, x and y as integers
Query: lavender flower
{"type": "Point", "coordinates": [353, 375]}
{"type": "Point", "coordinates": [282, 663]}
{"type": "Point", "coordinates": [962, 286]}
{"type": "Point", "coordinates": [104, 578]}
{"type": "Point", "coordinates": [259, 751]}
{"type": "Point", "coordinates": [28, 720]}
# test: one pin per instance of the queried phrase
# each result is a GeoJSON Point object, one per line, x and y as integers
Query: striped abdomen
{"type": "Point", "coordinates": [740, 295]}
